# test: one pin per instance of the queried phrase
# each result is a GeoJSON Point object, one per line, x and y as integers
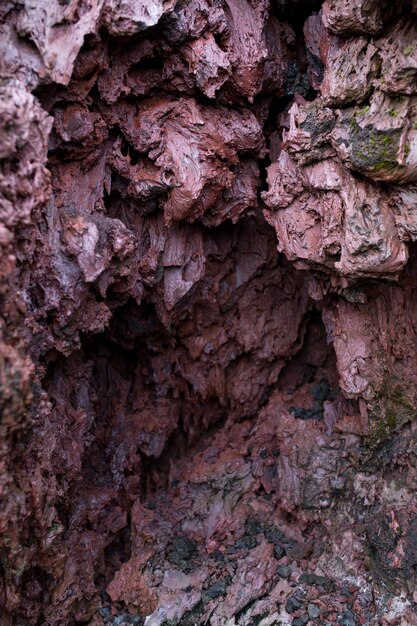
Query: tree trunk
{"type": "Point", "coordinates": [208, 312]}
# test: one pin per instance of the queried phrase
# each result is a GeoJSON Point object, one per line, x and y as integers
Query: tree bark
{"type": "Point", "coordinates": [208, 320]}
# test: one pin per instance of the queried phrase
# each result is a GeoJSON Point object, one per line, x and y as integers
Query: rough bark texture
{"type": "Point", "coordinates": [208, 330]}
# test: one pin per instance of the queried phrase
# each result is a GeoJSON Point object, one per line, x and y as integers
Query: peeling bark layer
{"type": "Point", "coordinates": [208, 380]}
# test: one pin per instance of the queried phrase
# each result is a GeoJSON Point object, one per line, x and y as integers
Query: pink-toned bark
{"type": "Point", "coordinates": [208, 312]}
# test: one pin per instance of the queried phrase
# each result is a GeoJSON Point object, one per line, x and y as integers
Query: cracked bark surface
{"type": "Point", "coordinates": [208, 312]}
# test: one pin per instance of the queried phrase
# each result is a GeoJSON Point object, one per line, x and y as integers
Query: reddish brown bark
{"type": "Point", "coordinates": [208, 312]}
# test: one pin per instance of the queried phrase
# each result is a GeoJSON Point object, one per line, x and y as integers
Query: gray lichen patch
{"type": "Point", "coordinates": [318, 122]}
{"type": "Point", "coordinates": [312, 142]}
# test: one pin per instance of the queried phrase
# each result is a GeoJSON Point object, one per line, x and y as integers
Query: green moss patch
{"type": "Point", "coordinates": [373, 150]}
{"type": "Point", "coordinates": [392, 407]}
